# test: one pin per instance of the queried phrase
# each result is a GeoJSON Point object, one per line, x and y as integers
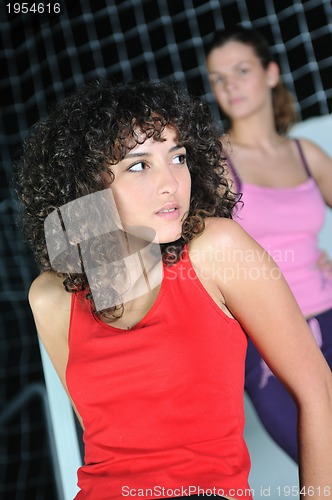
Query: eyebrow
{"type": "Point", "coordinates": [217, 72]}
{"type": "Point", "coordinates": [140, 155]}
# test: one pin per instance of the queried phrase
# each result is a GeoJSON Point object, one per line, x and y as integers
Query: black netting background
{"type": "Point", "coordinates": [43, 56]}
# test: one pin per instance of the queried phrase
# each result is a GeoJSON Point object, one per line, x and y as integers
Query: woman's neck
{"type": "Point", "coordinates": [254, 131]}
{"type": "Point", "coordinates": [255, 141]}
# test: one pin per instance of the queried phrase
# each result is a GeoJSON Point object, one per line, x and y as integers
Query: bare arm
{"type": "Point", "coordinates": [256, 294]}
{"type": "Point", "coordinates": [320, 164]}
{"type": "Point", "coordinates": [50, 305]}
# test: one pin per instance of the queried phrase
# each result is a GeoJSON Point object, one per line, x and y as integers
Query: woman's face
{"type": "Point", "coordinates": [239, 82]}
{"type": "Point", "coordinates": [151, 186]}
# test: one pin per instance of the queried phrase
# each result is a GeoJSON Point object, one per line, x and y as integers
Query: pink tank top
{"type": "Point", "coordinates": [286, 222]}
{"type": "Point", "coordinates": [161, 403]}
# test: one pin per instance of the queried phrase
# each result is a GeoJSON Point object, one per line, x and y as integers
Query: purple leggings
{"type": "Point", "coordinates": [273, 404]}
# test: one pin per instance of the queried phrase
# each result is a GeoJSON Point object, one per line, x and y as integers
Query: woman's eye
{"type": "Point", "coordinates": [137, 167]}
{"type": "Point", "coordinates": [180, 159]}
{"type": "Point", "coordinates": [243, 71]}
{"type": "Point", "coordinates": [217, 80]}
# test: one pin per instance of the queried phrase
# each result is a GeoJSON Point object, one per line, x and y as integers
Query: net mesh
{"type": "Point", "coordinates": [44, 55]}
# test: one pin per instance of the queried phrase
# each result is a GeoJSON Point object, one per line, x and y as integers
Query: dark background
{"type": "Point", "coordinates": [43, 56]}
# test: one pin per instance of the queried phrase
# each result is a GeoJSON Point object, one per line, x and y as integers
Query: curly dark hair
{"type": "Point", "coordinates": [92, 129]}
{"type": "Point", "coordinates": [283, 102]}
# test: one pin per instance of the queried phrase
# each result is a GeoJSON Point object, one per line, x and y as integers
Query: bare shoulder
{"type": "Point", "coordinates": [224, 243]}
{"type": "Point", "coordinates": [309, 145]}
{"type": "Point", "coordinates": [313, 152]}
{"type": "Point", "coordinates": [48, 299]}
{"type": "Point", "coordinates": [46, 289]}
{"type": "Point", "coordinates": [320, 165]}
{"type": "Point", "coordinates": [223, 233]}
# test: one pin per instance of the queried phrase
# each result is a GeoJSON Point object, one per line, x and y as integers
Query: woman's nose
{"type": "Point", "coordinates": [229, 83]}
{"type": "Point", "coordinates": [168, 182]}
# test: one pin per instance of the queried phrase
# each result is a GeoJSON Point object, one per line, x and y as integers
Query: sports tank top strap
{"type": "Point", "coordinates": [237, 180]}
{"type": "Point", "coordinates": [303, 158]}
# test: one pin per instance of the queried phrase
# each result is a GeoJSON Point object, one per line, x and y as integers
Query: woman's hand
{"type": "Point", "coordinates": [324, 263]}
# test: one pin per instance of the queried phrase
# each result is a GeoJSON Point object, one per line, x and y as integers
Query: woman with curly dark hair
{"type": "Point", "coordinates": [148, 291]}
{"type": "Point", "coordinates": [287, 179]}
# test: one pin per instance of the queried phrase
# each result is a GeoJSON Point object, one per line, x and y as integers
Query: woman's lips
{"type": "Point", "coordinates": [171, 213]}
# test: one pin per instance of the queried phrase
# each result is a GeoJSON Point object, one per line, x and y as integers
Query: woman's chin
{"type": "Point", "coordinates": [169, 239]}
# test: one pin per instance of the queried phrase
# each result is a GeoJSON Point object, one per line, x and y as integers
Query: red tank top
{"type": "Point", "coordinates": [162, 403]}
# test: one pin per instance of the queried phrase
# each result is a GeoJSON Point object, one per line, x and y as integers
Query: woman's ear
{"type": "Point", "coordinates": [107, 176]}
{"type": "Point", "coordinates": [273, 74]}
